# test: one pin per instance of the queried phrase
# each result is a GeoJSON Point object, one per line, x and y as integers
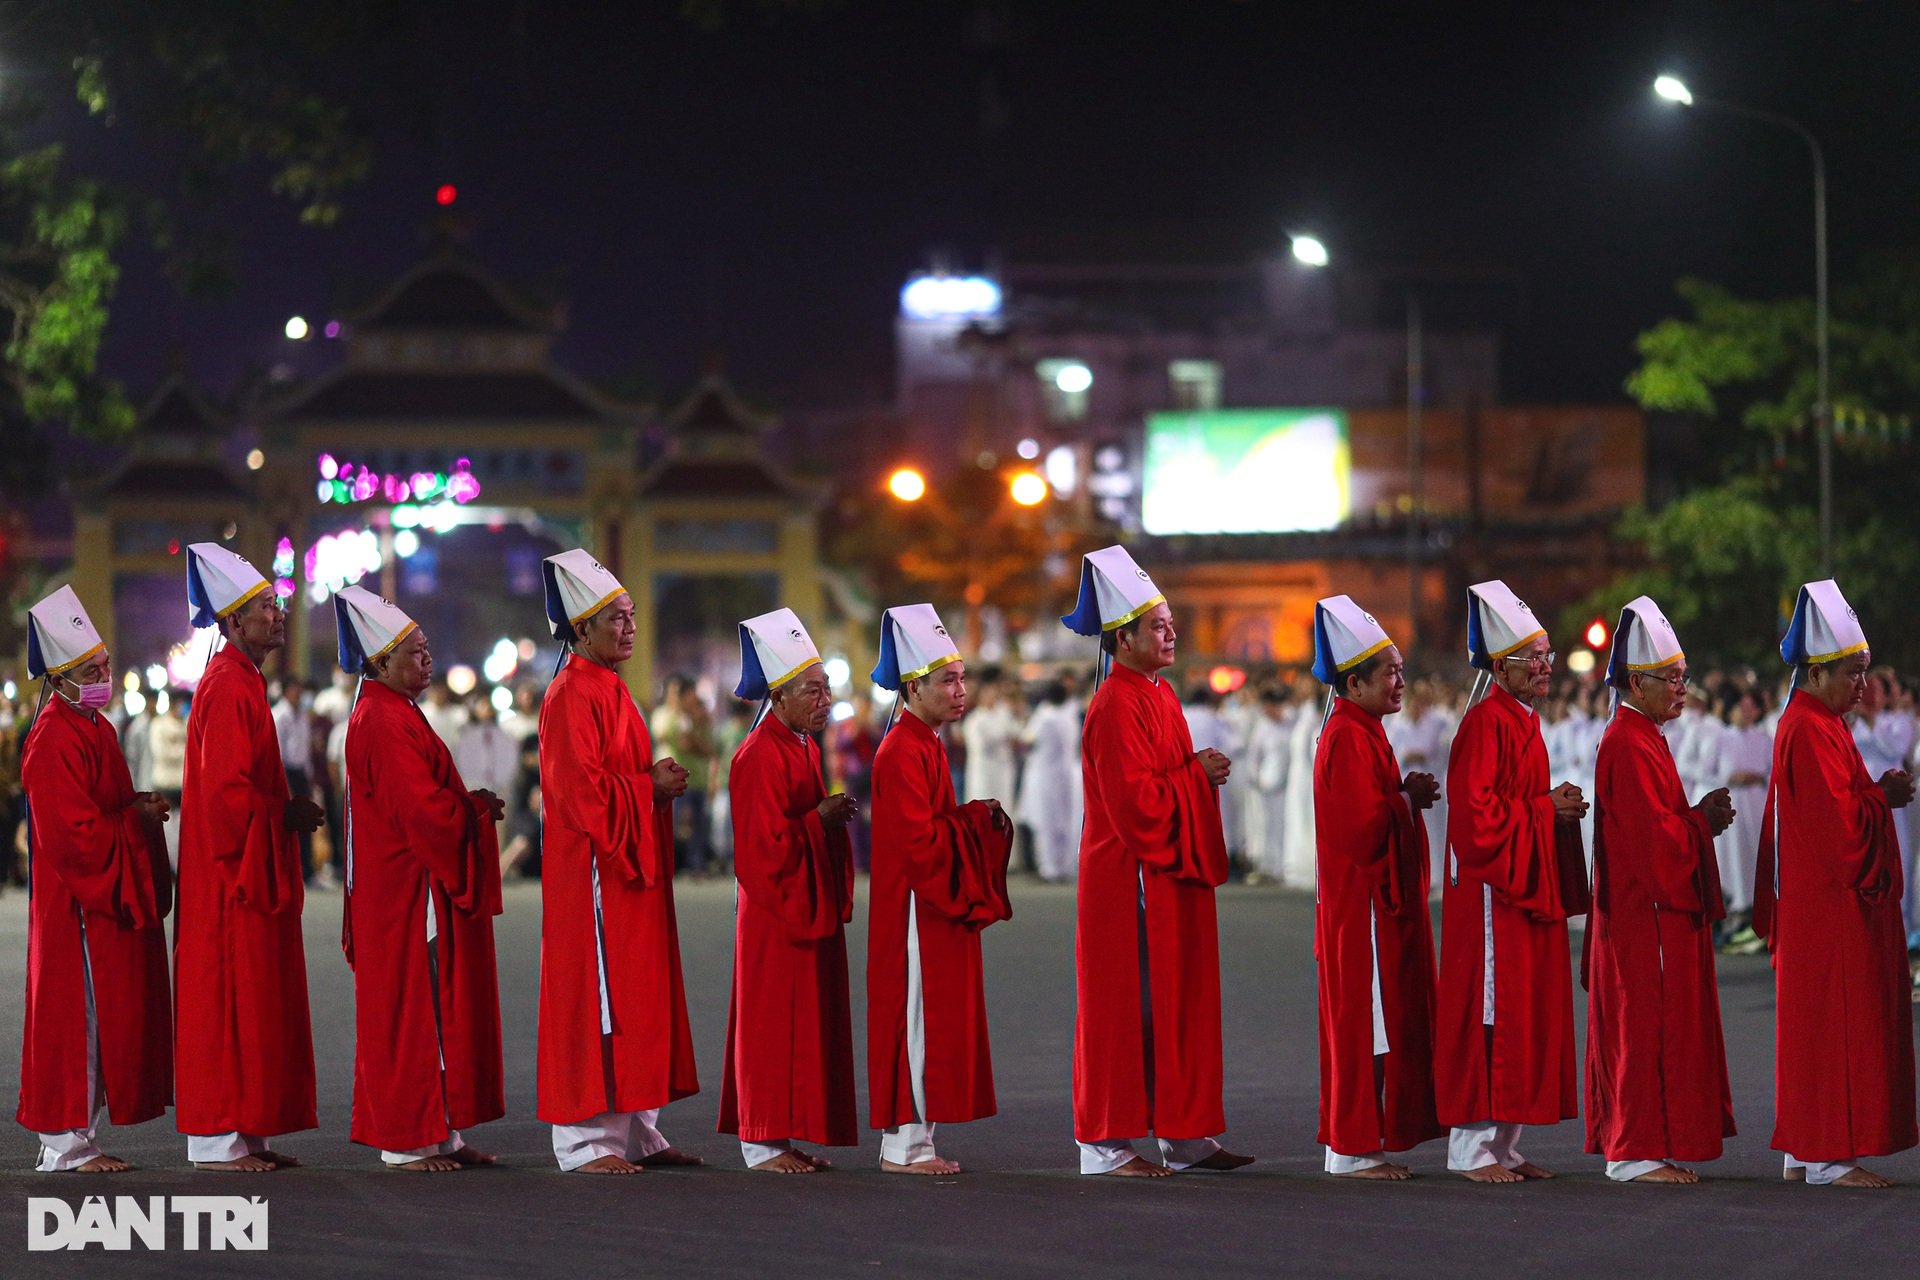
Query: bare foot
{"type": "Point", "coordinates": [673, 1156]}
{"type": "Point", "coordinates": [279, 1161]}
{"type": "Point", "coordinates": [1492, 1173]}
{"type": "Point", "coordinates": [1668, 1173]}
{"type": "Point", "coordinates": [429, 1164]}
{"type": "Point", "coordinates": [1139, 1168]}
{"type": "Point", "coordinates": [787, 1162]}
{"type": "Point", "coordinates": [473, 1156]}
{"type": "Point", "coordinates": [1221, 1161]}
{"type": "Point", "coordinates": [1528, 1169]}
{"type": "Point", "coordinates": [245, 1164]}
{"type": "Point", "coordinates": [1380, 1173]}
{"type": "Point", "coordinates": [818, 1162]}
{"type": "Point", "coordinates": [609, 1164]}
{"type": "Point", "coordinates": [935, 1166]}
{"type": "Point", "coordinates": [1863, 1178]}
{"type": "Point", "coordinates": [103, 1164]}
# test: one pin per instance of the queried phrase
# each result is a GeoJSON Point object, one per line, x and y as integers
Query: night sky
{"type": "Point", "coordinates": [765, 189]}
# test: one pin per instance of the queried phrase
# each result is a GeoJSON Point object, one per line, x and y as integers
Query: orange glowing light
{"type": "Point", "coordinates": [1597, 634]}
{"type": "Point", "coordinates": [907, 485]}
{"type": "Point", "coordinates": [1028, 489]}
{"type": "Point", "coordinates": [1225, 679]}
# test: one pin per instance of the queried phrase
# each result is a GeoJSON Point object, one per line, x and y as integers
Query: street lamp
{"type": "Point", "coordinates": [907, 484]}
{"type": "Point", "coordinates": [1311, 251]}
{"type": "Point", "coordinates": [1028, 489]}
{"type": "Point", "coordinates": [1673, 89]}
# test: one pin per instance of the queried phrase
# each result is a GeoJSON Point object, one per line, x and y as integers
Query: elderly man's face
{"type": "Point", "coordinates": [1842, 683]}
{"type": "Point", "coordinates": [805, 702]}
{"type": "Point", "coordinates": [1527, 673]}
{"type": "Point", "coordinates": [408, 670]}
{"type": "Point", "coordinates": [1661, 695]}
{"type": "Point", "coordinates": [260, 623]}
{"type": "Point", "coordinates": [607, 637]}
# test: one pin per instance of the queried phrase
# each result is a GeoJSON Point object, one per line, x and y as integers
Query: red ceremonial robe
{"type": "Point", "coordinates": [426, 1051]}
{"type": "Point", "coordinates": [94, 858]}
{"type": "Point", "coordinates": [789, 1067]}
{"type": "Point", "coordinates": [1371, 924]}
{"type": "Point", "coordinates": [597, 791]}
{"type": "Point", "coordinates": [1827, 900]}
{"type": "Point", "coordinates": [1519, 1070]}
{"type": "Point", "coordinates": [950, 861]}
{"type": "Point", "coordinates": [1152, 831]}
{"type": "Point", "coordinates": [243, 1044]}
{"type": "Point", "coordinates": [1656, 1063]}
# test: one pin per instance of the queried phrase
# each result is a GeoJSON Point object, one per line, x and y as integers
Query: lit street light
{"type": "Point", "coordinates": [907, 484]}
{"type": "Point", "coordinates": [1310, 251]}
{"type": "Point", "coordinates": [297, 328]}
{"type": "Point", "coordinates": [1028, 489]}
{"type": "Point", "coordinates": [1073, 378]}
{"type": "Point", "coordinates": [1673, 89]}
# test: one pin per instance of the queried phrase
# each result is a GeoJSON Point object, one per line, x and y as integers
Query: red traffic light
{"type": "Point", "coordinates": [446, 194]}
{"type": "Point", "coordinates": [1597, 633]}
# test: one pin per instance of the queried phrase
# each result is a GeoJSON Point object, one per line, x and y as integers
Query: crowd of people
{"type": "Point", "coordinates": [1472, 1049]}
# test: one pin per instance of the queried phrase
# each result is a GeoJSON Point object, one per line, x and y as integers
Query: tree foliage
{"type": "Point", "coordinates": [1742, 373]}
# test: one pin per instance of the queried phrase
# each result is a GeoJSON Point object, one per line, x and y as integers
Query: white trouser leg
{"type": "Point", "coordinates": [68, 1150]}
{"type": "Point", "coordinates": [644, 1138]}
{"type": "Point", "coordinates": [1183, 1153]}
{"type": "Point", "coordinates": [606, 1134]}
{"type": "Point", "coordinates": [1820, 1174]}
{"type": "Point", "coordinates": [1105, 1157]}
{"type": "Point", "coordinates": [1628, 1170]}
{"type": "Point", "coordinates": [1337, 1163]}
{"type": "Point", "coordinates": [453, 1143]}
{"type": "Point", "coordinates": [758, 1153]}
{"type": "Point", "coordinates": [911, 1143]}
{"type": "Point", "coordinates": [218, 1148]}
{"type": "Point", "coordinates": [1475, 1146]}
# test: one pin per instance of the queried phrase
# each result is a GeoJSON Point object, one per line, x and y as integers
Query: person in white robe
{"type": "Point", "coordinates": [1885, 735]}
{"type": "Point", "coordinates": [1269, 753]}
{"type": "Point", "coordinates": [1298, 850]}
{"type": "Point", "coordinates": [1742, 762]}
{"type": "Point", "coordinates": [991, 733]}
{"type": "Point", "coordinates": [1050, 803]}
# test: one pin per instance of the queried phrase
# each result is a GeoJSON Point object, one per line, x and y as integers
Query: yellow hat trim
{"type": "Point", "coordinates": [1357, 659]}
{"type": "Point", "coordinates": [230, 609]}
{"type": "Point", "coordinates": [65, 667]}
{"type": "Point", "coordinates": [931, 666]}
{"type": "Point", "coordinates": [1126, 618]}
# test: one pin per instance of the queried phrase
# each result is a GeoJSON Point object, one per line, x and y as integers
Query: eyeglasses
{"type": "Point", "coordinates": [1543, 660]}
{"type": "Point", "coordinates": [1678, 683]}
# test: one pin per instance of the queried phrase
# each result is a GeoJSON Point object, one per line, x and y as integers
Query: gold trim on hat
{"type": "Point", "coordinates": [405, 631]}
{"type": "Point", "coordinates": [1655, 666]}
{"type": "Point", "coordinates": [1811, 660]}
{"type": "Point", "coordinates": [775, 684]}
{"type": "Point", "coordinates": [602, 603]}
{"type": "Point", "coordinates": [262, 585]}
{"type": "Point", "coordinates": [1355, 661]}
{"type": "Point", "coordinates": [1509, 651]}
{"type": "Point", "coordinates": [65, 667]}
{"type": "Point", "coordinates": [1124, 619]}
{"type": "Point", "coordinates": [931, 666]}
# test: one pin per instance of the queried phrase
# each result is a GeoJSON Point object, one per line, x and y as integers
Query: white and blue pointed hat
{"type": "Point", "coordinates": [1643, 641]}
{"type": "Point", "coordinates": [912, 642]}
{"type": "Point", "coordinates": [1113, 592]}
{"type": "Point", "coordinates": [1498, 623]}
{"type": "Point", "coordinates": [577, 587]}
{"type": "Point", "coordinates": [1824, 626]}
{"type": "Point", "coordinates": [368, 626]}
{"type": "Point", "coordinates": [60, 635]}
{"type": "Point", "coordinates": [1344, 636]}
{"type": "Point", "coordinates": [774, 648]}
{"type": "Point", "coordinates": [218, 582]}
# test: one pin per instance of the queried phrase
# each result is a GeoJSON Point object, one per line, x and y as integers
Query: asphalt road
{"type": "Point", "coordinates": [1021, 1209]}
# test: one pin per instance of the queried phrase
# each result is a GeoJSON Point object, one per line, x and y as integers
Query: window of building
{"type": "Point", "coordinates": [1195, 384]}
{"type": "Point", "coordinates": [1064, 385]}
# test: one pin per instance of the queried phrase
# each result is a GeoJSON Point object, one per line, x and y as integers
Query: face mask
{"type": "Point", "coordinates": [94, 696]}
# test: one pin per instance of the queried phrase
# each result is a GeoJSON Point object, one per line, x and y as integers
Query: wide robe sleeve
{"type": "Point", "coordinates": [1169, 816]}
{"type": "Point", "coordinates": [102, 855]}
{"type": "Point", "coordinates": [1682, 871]}
{"type": "Point", "coordinates": [613, 810]}
{"type": "Point", "coordinates": [250, 824]}
{"type": "Point", "coordinates": [443, 826]}
{"type": "Point", "coordinates": [787, 863]}
{"type": "Point", "coordinates": [1373, 825]}
{"type": "Point", "coordinates": [1835, 797]}
{"type": "Point", "coordinates": [956, 860]}
{"type": "Point", "coordinates": [1504, 842]}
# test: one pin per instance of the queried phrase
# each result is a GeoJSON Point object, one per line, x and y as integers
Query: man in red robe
{"type": "Point", "coordinates": [1827, 900]}
{"type": "Point", "coordinates": [1147, 1055]}
{"type": "Point", "coordinates": [97, 1031]}
{"type": "Point", "coordinates": [243, 1044]}
{"type": "Point", "coordinates": [422, 887]}
{"type": "Point", "coordinates": [1656, 1063]}
{"type": "Point", "coordinates": [1373, 937]}
{"type": "Point", "coordinates": [789, 1065]}
{"type": "Point", "coordinates": [939, 878]}
{"type": "Point", "coordinates": [1503, 1041]}
{"type": "Point", "coordinates": [614, 1041]}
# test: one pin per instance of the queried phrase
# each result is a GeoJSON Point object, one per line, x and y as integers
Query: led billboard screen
{"type": "Point", "coordinates": [1246, 471]}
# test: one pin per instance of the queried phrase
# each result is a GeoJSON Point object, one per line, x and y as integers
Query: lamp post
{"type": "Point", "coordinates": [1311, 252]}
{"type": "Point", "coordinates": [1673, 89]}
{"type": "Point", "coordinates": [971, 524]}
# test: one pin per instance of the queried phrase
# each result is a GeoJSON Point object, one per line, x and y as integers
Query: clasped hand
{"type": "Point", "coordinates": [1423, 789]}
{"type": "Point", "coordinates": [1898, 786]}
{"type": "Point", "coordinates": [495, 807]}
{"type": "Point", "coordinates": [837, 811]}
{"type": "Point", "coordinates": [669, 779]}
{"type": "Point", "coordinates": [1718, 808]}
{"type": "Point", "coordinates": [1568, 804]}
{"type": "Point", "coordinates": [1216, 766]}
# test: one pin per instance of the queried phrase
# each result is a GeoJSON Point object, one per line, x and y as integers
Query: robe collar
{"type": "Point", "coordinates": [588, 669]}
{"type": "Point", "coordinates": [1120, 672]}
{"type": "Point", "coordinates": [233, 654]}
{"type": "Point", "coordinates": [1814, 707]}
{"type": "Point", "coordinates": [916, 727]}
{"type": "Point", "coordinates": [1500, 697]}
{"type": "Point", "coordinates": [1370, 724]}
